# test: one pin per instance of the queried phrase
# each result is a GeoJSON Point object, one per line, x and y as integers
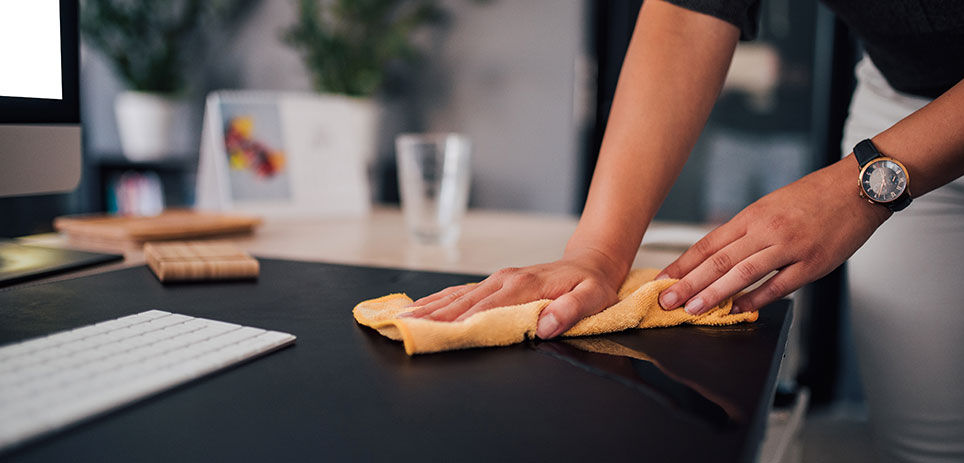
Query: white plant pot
{"type": "Point", "coordinates": [144, 122]}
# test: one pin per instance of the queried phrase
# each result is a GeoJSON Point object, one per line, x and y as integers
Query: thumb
{"type": "Point", "coordinates": [585, 299]}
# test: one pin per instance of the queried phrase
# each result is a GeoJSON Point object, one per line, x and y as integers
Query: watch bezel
{"type": "Point", "coordinates": [863, 169]}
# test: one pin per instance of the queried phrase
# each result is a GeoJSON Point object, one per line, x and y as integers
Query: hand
{"type": "Point", "coordinates": [802, 231]}
{"type": "Point", "coordinates": [580, 284]}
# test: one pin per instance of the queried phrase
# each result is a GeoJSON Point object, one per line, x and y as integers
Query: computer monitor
{"type": "Point", "coordinates": [40, 137]}
{"type": "Point", "coordinates": [40, 140]}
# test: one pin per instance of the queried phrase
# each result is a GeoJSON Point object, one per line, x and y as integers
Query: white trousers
{"type": "Point", "coordinates": [907, 300]}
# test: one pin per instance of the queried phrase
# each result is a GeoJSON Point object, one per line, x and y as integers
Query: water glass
{"type": "Point", "coordinates": [433, 180]}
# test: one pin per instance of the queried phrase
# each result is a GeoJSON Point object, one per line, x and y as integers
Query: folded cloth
{"type": "Point", "coordinates": [638, 307]}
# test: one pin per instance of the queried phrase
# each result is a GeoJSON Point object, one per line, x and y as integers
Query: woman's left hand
{"type": "Point", "coordinates": [802, 231]}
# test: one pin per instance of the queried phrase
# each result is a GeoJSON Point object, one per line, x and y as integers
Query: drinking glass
{"type": "Point", "coordinates": [433, 180]}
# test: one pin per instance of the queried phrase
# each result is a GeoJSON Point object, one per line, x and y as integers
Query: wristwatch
{"type": "Point", "coordinates": [882, 180]}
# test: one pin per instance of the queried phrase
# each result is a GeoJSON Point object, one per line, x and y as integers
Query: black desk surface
{"type": "Point", "coordinates": [343, 392]}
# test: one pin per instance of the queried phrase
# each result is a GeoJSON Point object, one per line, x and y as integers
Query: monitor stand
{"type": "Point", "coordinates": [19, 263]}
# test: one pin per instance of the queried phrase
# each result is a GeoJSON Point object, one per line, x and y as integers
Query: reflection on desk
{"type": "Point", "coordinates": [634, 369]}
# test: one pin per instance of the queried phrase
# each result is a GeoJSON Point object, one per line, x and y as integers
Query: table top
{"type": "Point", "coordinates": [490, 240]}
{"type": "Point", "coordinates": [343, 392]}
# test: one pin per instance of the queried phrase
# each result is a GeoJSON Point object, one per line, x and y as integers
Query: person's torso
{"type": "Point", "coordinates": [918, 45]}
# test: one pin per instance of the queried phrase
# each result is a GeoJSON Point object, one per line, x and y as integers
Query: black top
{"type": "Point", "coordinates": [918, 45]}
{"type": "Point", "coordinates": [343, 392]}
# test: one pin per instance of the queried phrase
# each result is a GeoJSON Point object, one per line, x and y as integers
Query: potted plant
{"type": "Point", "coordinates": [147, 43]}
{"type": "Point", "coordinates": [348, 46]}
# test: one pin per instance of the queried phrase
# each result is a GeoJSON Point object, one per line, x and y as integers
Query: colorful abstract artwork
{"type": "Point", "coordinates": [254, 145]}
{"type": "Point", "coordinates": [245, 152]}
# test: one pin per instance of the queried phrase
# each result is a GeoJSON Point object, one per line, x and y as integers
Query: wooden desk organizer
{"type": "Point", "coordinates": [196, 260]}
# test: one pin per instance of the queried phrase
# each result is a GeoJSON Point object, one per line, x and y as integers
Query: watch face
{"type": "Point", "coordinates": [883, 180]}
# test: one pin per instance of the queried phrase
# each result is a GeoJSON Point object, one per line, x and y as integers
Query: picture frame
{"type": "Point", "coordinates": [282, 154]}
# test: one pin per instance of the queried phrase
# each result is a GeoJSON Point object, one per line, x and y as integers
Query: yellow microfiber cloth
{"type": "Point", "coordinates": [638, 307]}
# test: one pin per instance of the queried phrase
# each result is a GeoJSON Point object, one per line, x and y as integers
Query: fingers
{"type": "Point", "coordinates": [449, 308]}
{"type": "Point", "coordinates": [505, 287]}
{"type": "Point", "coordinates": [780, 285]}
{"type": "Point", "coordinates": [451, 292]}
{"type": "Point", "coordinates": [459, 306]}
{"type": "Point", "coordinates": [496, 299]}
{"type": "Point", "coordinates": [709, 271]}
{"type": "Point", "coordinates": [434, 302]}
{"type": "Point", "coordinates": [742, 275]}
{"type": "Point", "coordinates": [576, 294]}
{"type": "Point", "coordinates": [561, 314]}
{"type": "Point", "coordinates": [702, 250]}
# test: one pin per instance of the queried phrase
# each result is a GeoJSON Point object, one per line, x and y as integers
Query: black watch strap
{"type": "Point", "coordinates": [900, 203]}
{"type": "Point", "coordinates": [865, 151]}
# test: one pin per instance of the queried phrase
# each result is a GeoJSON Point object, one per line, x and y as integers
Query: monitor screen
{"type": "Point", "coordinates": [40, 139]}
{"type": "Point", "coordinates": [30, 47]}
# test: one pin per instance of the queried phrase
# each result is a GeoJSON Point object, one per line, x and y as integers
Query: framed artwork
{"type": "Point", "coordinates": [281, 154]}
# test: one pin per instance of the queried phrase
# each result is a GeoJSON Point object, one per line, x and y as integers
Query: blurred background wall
{"type": "Point", "coordinates": [511, 75]}
{"type": "Point", "coordinates": [520, 91]}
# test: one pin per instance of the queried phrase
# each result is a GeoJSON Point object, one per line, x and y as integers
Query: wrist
{"type": "Point", "coordinates": [608, 266]}
{"type": "Point", "coordinates": [605, 244]}
{"type": "Point", "coordinates": [845, 178]}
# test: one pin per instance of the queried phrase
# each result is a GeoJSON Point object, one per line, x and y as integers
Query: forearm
{"type": "Point", "coordinates": [929, 142]}
{"type": "Point", "coordinates": [672, 74]}
{"type": "Point", "coordinates": [804, 230]}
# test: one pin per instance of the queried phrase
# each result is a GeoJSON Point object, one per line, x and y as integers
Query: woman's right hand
{"type": "Point", "coordinates": [580, 284]}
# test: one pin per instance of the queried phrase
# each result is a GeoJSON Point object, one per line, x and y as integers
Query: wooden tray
{"type": "Point", "coordinates": [125, 231]}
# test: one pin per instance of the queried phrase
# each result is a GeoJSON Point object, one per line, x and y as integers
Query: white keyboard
{"type": "Point", "coordinates": [50, 382]}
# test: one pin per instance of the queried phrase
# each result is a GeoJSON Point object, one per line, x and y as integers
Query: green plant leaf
{"type": "Point", "coordinates": [148, 41]}
{"type": "Point", "coordinates": [347, 45]}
